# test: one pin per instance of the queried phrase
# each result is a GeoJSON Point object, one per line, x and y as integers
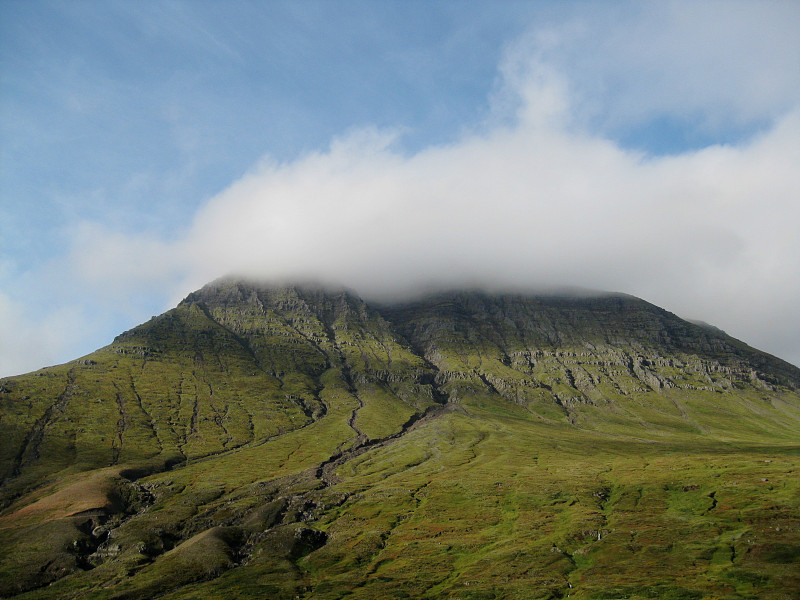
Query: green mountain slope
{"type": "Point", "coordinates": [295, 441]}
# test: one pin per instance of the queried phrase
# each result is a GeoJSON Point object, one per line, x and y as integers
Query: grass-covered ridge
{"type": "Point", "coordinates": [296, 441]}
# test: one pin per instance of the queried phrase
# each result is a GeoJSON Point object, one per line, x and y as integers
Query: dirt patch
{"type": "Point", "coordinates": [93, 492]}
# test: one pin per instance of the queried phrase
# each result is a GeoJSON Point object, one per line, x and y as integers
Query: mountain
{"type": "Point", "coordinates": [295, 441]}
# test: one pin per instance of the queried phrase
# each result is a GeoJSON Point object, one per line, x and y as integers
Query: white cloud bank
{"type": "Point", "coordinates": [535, 198]}
{"type": "Point", "coordinates": [711, 234]}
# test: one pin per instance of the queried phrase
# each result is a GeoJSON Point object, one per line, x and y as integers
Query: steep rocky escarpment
{"type": "Point", "coordinates": [621, 332]}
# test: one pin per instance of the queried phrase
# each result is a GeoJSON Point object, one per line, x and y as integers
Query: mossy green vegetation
{"type": "Point", "coordinates": [290, 441]}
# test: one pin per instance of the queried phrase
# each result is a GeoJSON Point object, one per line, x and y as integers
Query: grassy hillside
{"type": "Point", "coordinates": [294, 441]}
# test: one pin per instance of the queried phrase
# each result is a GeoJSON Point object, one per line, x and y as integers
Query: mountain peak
{"type": "Point", "coordinates": [302, 439]}
{"type": "Point", "coordinates": [230, 290]}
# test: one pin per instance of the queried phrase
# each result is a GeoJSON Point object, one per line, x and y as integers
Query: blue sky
{"type": "Point", "coordinates": [148, 147]}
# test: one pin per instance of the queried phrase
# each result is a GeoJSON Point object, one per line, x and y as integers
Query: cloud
{"type": "Point", "coordinates": [710, 234]}
{"type": "Point", "coordinates": [714, 64]}
{"type": "Point", "coordinates": [29, 341]}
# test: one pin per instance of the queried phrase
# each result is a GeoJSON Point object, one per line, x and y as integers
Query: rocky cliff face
{"type": "Point", "coordinates": [571, 350]}
{"type": "Point", "coordinates": [291, 433]}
